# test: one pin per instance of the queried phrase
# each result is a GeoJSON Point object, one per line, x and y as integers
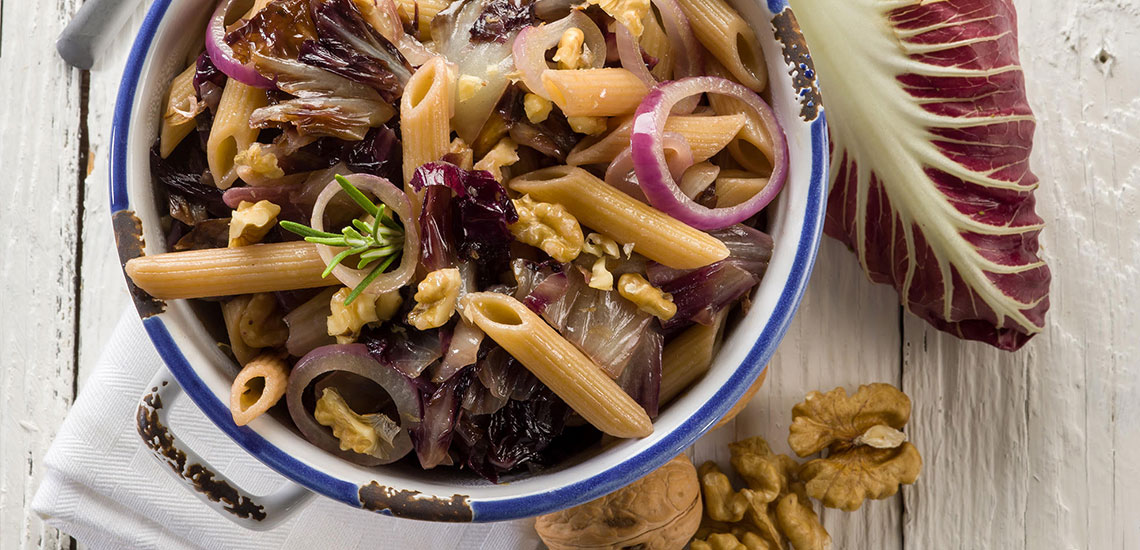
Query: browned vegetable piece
{"type": "Point", "coordinates": [658, 512]}
{"type": "Point", "coordinates": [868, 457]}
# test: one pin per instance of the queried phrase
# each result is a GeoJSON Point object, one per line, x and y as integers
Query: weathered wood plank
{"type": "Point", "coordinates": [39, 152]}
{"type": "Point", "coordinates": [845, 334]}
{"type": "Point", "coordinates": [1028, 450]}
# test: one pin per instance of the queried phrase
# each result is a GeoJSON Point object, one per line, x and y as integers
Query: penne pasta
{"type": "Point", "coordinates": [567, 371]}
{"type": "Point", "coordinates": [260, 385]}
{"type": "Point", "coordinates": [735, 186]}
{"type": "Point", "coordinates": [181, 107]}
{"type": "Point", "coordinates": [752, 147]}
{"type": "Point", "coordinates": [419, 13]}
{"type": "Point", "coordinates": [729, 39]}
{"type": "Point", "coordinates": [594, 92]}
{"type": "Point", "coordinates": [232, 312]}
{"type": "Point", "coordinates": [607, 210]}
{"type": "Point", "coordinates": [230, 271]}
{"type": "Point", "coordinates": [231, 131]}
{"type": "Point", "coordinates": [656, 43]}
{"type": "Point", "coordinates": [425, 115]}
{"type": "Point", "coordinates": [706, 136]}
{"type": "Point", "coordinates": [687, 357]}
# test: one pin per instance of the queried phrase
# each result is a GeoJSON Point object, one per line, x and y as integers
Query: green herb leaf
{"type": "Point", "coordinates": [357, 196]}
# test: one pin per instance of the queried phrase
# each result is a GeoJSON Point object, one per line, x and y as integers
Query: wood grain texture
{"type": "Point", "coordinates": [39, 201]}
{"type": "Point", "coordinates": [1036, 449]}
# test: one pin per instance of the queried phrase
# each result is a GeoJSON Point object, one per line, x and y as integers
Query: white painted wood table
{"type": "Point", "coordinates": [1032, 450]}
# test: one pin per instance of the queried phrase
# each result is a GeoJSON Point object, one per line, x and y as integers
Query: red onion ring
{"type": "Point", "coordinates": [222, 55]}
{"type": "Point", "coordinates": [620, 172]}
{"type": "Point", "coordinates": [529, 49]}
{"type": "Point", "coordinates": [353, 359]}
{"type": "Point", "coordinates": [653, 174]}
{"type": "Point", "coordinates": [396, 200]}
{"type": "Point", "coordinates": [629, 51]}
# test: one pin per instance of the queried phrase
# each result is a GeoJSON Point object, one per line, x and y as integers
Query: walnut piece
{"type": "Point", "coordinates": [504, 153]}
{"type": "Point", "coordinates": [537, 107]}
{"type": "Point", "coordinates": [867, 454]}
{"type": "Point", "coordinates": [369, 434]}
{"type": "Point", "coordinates": [647, 298]}
{"type": "Point", "coordinates": [658, 512]}
{"type": "Point", "coordinates": [435, 299]}
{"type": "Point", "coordinates": [549, 227]}
{"type": "Point", "coordinates": [627, 12]}
{"type": "Point", "coordinates": [799, 522]}
{"type": "Point", "coordinates": [571, 53]}
{"type": "Point", "coordinates": [765, 472]}
{"type": "Point", "coordinates": [722, 503]}
{"type": "Point", "coordinates": [346, 321]}
{"type": "Point", "coordinates": [257, 164]}
{"type": "Point", "coordinates": [589, 125]}
{"type": "Point", "coordinates": [251, 221]}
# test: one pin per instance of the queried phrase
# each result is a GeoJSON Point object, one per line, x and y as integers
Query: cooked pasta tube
{"type": "Point", "coordinates": [729, 39]}
{"type": "Point", "coordinates": [567, 371]}
{"type": "Point", "coordinates": [606, 210]}
{"type": "Point", "coordinates": [752, 147]}
{"type": "Point", "coordinates": [230, 271]}
{"type": "Point", "coordinates": [688, 356]}
{"type": "Point", "coordinates": [735, 186]}
{"type": "Point", "coordinates": [706, 136]}
{"type": "Point", "coordinates": [231, 131]}
{"type": "Point", "coordinates": [425, 115]}
{"type": "Point", "coordinates": [594, 92]}
{"type": "Point", "coordinates": [249, 398]}
{"type": "Point", "coordinates": [232, 312]}
{"type": "Point", "coordinates": [178, 120]}
{"type": "Point", "coordinates": [419, 13]}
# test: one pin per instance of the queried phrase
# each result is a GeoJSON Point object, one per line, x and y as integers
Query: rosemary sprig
{"type": "Point", "coordinates": [373, 238]}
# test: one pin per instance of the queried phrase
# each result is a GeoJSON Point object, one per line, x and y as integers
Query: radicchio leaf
{"type": "Point", "coordinates": [931, 133]}
{"type": "Point", "coordinates": [350, 47]}
{"type": "Point", "coordinates": [408, 351]}
{"type": "Point", "coordinates": [209, 82]}
{"type": "Point", "coordinates": [500, 18]}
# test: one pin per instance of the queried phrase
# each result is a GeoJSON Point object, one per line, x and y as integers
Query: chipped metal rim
{"type": "Point", "coordinates": [558, 496]}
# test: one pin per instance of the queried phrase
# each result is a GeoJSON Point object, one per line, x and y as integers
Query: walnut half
{"type": "Point", "coordinates": [661, 511]}
{"type": "Point", "coordinates": [867, 454]}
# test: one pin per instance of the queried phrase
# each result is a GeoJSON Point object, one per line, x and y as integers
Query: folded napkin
{"type": "Point", "coordinates": [104, 488]}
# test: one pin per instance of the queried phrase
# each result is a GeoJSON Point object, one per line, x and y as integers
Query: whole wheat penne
{"type": "Point", "coordinates": [180, 102]}
{"type": "Point", "coordinates": [606, 210]}
{"type": "Point", "coordinates": [232, 313]}
{"type": "Point", "coordinates": [567, 371]}
{"type": "Point", "coordinates": [231, 131]}
{"type": "Point", "coordinates": [425, 115]}
{"type": "Point", "coordinates": [594, 92]}
{"type": "Point", "coordinates": [656, 43]}
{"type": "Point", "coordinates": [230, 271]}
{"type": "Point", "coordinates": [706, 136]}
{"type": "Point", "coordinates": [688, 356]}
{"type": "Point", "coordinates": [249, 401]}
{"type": "Point", "coordinates": [729, 39]}
{"type": "Point", "coordinates": [735, 186]}
{"type": "Point", "coordinates": [752, 146]}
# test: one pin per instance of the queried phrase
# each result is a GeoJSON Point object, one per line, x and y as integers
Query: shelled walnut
{"type": "Point", "coordinates": [658, 512]}
{"type": "Point", "coordinates": [867, 457]}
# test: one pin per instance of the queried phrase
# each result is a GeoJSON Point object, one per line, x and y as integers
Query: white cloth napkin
{"type": "Point", "coordinates": [104, 488]}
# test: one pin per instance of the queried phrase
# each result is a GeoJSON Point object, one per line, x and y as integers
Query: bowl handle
{"type": "Point", "coordinates": [188, 467]}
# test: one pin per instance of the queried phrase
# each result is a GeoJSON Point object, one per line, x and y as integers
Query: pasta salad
{"type": "Point", "coordinates": [467, 233]}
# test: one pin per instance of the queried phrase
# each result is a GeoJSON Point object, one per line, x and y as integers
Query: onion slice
{"type": "Point", "coordinates": [620, 172]}
{"type": "Point", "coordinates": [653, 173]}
{"type": "Point", "coordinates": [223, 55]}
{"type": "Point", "coordinates": [352, 359]}
{"type": "Point", "coordinates": [392, 196]}
{"type": "Point", "coordinates": [530, 47]}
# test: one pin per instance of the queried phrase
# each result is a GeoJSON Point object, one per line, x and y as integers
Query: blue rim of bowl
{"type": "Point", "coordinates": [485, 510]}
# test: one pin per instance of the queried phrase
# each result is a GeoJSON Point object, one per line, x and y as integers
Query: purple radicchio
{"type": "Point", "coordinates": [479, 210]}
{"type": "Point", "coordinates": [515, 435]}
{"type": "Point", "coordinates": [408, 351]}
{"type": "Point", "coordinates": [184, 176]}
{"type": "Point", "coordinates": [208, 82]}
{"type": "Point", "coordinates": [931, 184]}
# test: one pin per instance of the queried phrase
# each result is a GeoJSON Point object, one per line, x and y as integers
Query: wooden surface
{"type": "Point", "coordinates": [1032, 450]}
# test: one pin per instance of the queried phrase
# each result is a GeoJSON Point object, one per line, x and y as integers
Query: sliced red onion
{"type": "Point", "coordinates": [697, 178]}
{"type": "Point", "coordinates": [629, 52]}
{"type": "Point", "coordinates": [392, 196]}
{"type": "Point", "coordinates": [620, 172]}
{"type": "Point", "coordinates": [653, 174]}
{"type": "Point", "coordinates": [308, 324]}
{"type": "Point", "coordinates": [352, 359]}
{"type": "Point", "coordinates": [532, 42]}
{"type": "Point", "coordinates": [223, 55]}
